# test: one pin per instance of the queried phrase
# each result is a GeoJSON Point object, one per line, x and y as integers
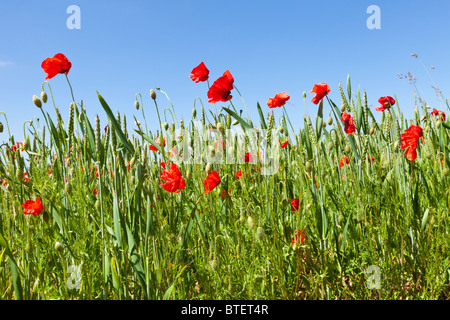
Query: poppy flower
{"type": "Point", "coordinates": [285, 144]}
{"type": "Point", "coordinates": [295, 205]}
{"type": "Point", "coordinates": [221, 88]}
{"type": "Point", "coordinates": [386, 103]}
{"type": "Point", "coordinates": [344, 160]}
{"type": "Point", "coordinates": [409, 141]}
{"type": "Point", "coordinates": [348, 122]}
{"type": "Point", "coordinates": [321, 90]}
{"type": "Point", "coordinates": [373, 159]}
{"type": "Point", "coordinates": [299, 236]}
{"type": "Point", "coordinates": [95, 191]}
{"type": "Point", "coordinates": [211, 181]}
{"type": "Point", "coordinates": [225, 193]}
{"type": "Point", "coordinates": [248, 157]}
{"type": "Point", "coordinates": [436, 113]}
{"type": "Point", "coordinates": [239, 174]}
{"type": "Point", "coordinates": [158, 141]}
{"type": "Point", "coordinates": [33, 207]}
{"type": "Point", "coordinates": [25, 179]}
{"type": "Point", "coordinates": [278, 101]}
{"type": "Point", "coordinates": [58, 64]}
{"type": "Point", "coordinates": [199, 73]}
{"type": "Point", "coordinates": [175, 181]}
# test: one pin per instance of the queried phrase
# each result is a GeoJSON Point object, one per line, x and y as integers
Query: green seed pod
{"type": "Point", "coordinates": [132, 180]}
{"type": "Point", "coordinates": [37, 102]}
{"type": "Point", "coordinates": [438, 124]}
{"type": "Point", "coordinates": [347, 148]}
{"type": "Point", "coordinates": [250, 222]}
{"type": "Point", "coordinates": [330, 121]}
{"type": "Point", "coordinates": [219, 126]}
{"type": "Point", "coordinates": [235, 122]}
{"type": "Point", "coordinates": [26, 144]}
{"type": "Point", "coordinates": [324, 124]}
{"type": "Point", "coordinates": [343, 107]}
{"type": "Point", "coordinates": [308, 166]}
{"type": "Point", "coordinates": [188, 174]}
{"type": "Point", "coordinates": [260, 233]}
{"type": "Point", "coordinates": [304, 95]}
{"type": "Point", "coordinates": [330, 145]}
{"type": "Point", "coordinates": [280, 129]}
{"type": "Point", "coordinates": [136, 105]}
{"type": "Point", "coordinates": [1, 127]}
{"type": "Point", "coordinates": [445, 172]}
{"type": "Point", "coordinates": [44, 97]}
{"type": "Point", "coordinates": [153, 94]}
{"type": "Point", "coordinates": [194, 113]}
{"type": "Point", "coordinates": [68, 188]}
{"type": "Point", "coordinates": [58, 247]}
{"type": "Point", "coordinates": [372, 131]}
{"type": "Point", "coordinates": [208, 169]}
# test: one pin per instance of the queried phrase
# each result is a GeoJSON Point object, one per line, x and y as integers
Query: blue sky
{"type": "Point", "coordinates": [126, 47]}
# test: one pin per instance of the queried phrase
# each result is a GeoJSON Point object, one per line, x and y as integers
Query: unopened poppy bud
{"type": "Point", "coordinates": [330, 145]}
{"type": "Point", "coordinates": [37, 102]}
{"type": "Point", "coordinates": [250, 222]}
{"type": "Point", "coordinates": [26, 144]}
{"type": "Point", "coordinates": [208, 169]}
{"type": "Point", "coordinates": [1, 127]}
{"type": "Point", "coordinates": [343, 107]}
{"type": "Point", "coordinates": [212, 151]}
{"type": "Point", "coordinates": [304, 95]}
{"type": "Point", "coordinates": [260, 233]}
{"type": "Point", "coordinates": [347, 149]}
{"type": "Point", "coordinates": [445, 172]}
{"type": "Point", "coordinates": [58, 247]}
{"type": "Point", "coordinates": [188, 174]}
{"type": "Point", "coordinates": [372, 131]}
{"type": "Point", "coordinates": [44, 97]}
{"type": "Point", "coordinates": [153, 94]}
{"type": "Point", "coordinates": [19, 175]}
{"type": "Point", "coordinates": [194, 113]}
{"type": "Point", "coordinates": [219, 126]}
{"type": "Point", "coordinates": [395, 144]}
{"type": "Point", "coordinates": [308, 166]}
{"type": "Point", "coordinates": [166, 126]}
{"type": "Point", "coordinates": [280, 129]}
{"type": "Point", "coordinates": [330, 121]}
{"type": "Point", "coordinates": [136, 105]}
{"type": "Point", "coordinates": [438, 124]}
{"type": "Point", "coordinates": [235, 122]}
{"type": "Point", "coordinates": [214, 264]}
{"type": "Point", "coordinates": [68, 188]}
{"type": "Point", "coordinates": [324, 124]}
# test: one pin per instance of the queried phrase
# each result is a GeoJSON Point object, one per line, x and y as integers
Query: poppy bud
{"type": "Point", "coordinates": [330, 121]}
{"type": "Point", "coordinates": [19, 175]}
{"type": "Point", "coordinates": [194, 113]}
{"type": "Point", "coordinates": [68, 188]}
{"type": "Point", "coordinates": [188, 174]}
{"type": "Point", "coordinates": [26, 144]}
{"type": "Point", "coordinates": [219, 126]}
{"type": "Point", "coordinates": [44, 97]}
{"type": "Point", "coordinates": [280, 129]}
{"type": "Point", "coordinates": [304, 95]}
{"type": "Point", "coordinates": [153, 94]}
{"type": "Point", "coordinates": [214, 264]}
{"type": "Point", "coordinates": [28, 247]}
{"type": "Point", "coordinates": [250, 222]}
{"type": "Point", "coordinates": [241, 218]}
{"type": "Point", "coordinates": [37, 102]}
{"type": "Point", "coordinates": [132, 180]}
{"type": "Point", "coordinates": [438, 124]}
{"type": "Point", "coordinates": [343, 107]}
{"type": "Point", "coordinates": [212, 150]}
{"type": "Point", "coordinates": [308, 166]}
{"type": "Point", "coordinates": [208, 169]}
{"type": "Point", "coordinates": [58, 247]}
{"type": "Point", "coordinates": [347, 149]}
{"type": "Point", "coordinates": [260, 233]}
{"type": "Point", "coordinates": [445, 172]}
{"type": "Point", "coordinates": [166, 126]}
{"type": "Point", "coordinates": [330, 145]}
{"type": "Point", "coordinates": [1, 127]}
{"type": "Point", "coordinates": [235, 122]}
{"type": "Point", "coordinates": [136, 105]}
{"type": "Point", "coordinates": [372, 131]}
{"type": "Point", "coordinates": [395, 144]}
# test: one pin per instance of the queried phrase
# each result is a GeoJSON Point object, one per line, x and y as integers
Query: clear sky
{"type": "Point", "coordinates": [126, 47]}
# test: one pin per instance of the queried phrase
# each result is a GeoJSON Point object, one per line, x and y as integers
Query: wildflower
{"type": "Point", "coordinates": [436, 113]}
{"type": "Point", "coordinates": [221, 88]}
{"type": "Point", "coordinates": [295, 205]}
{"type": "Point", "coordinates": [278, 101]}
{"type": "Point", "coordinates": [373, 159]}
{"type": "Point", "coordinates": [344, 160]}
{"type": "Point", "coordinates": [33, 207]}
{"type": "Point", "coordinates": [409, 141]}
{"type": "Point", "coordinates": [158, 141]}
{"type": "Point", "coordinates": [239, 174]}
{"type": "Point", "coordinates": [386, 103]}
{"type": "Point", "coordinates": [321, 90]}
{"type": "Point", "coordinates": [175, 181]}
{"type": "Point", "coordinates": [25, 179]}
{"type": "Point", "coordinates": [248, 157]}
{"type": "Point", "coordinates": [285, 144]}
{"type": "Point", "coordinates": [58, 64]}
{"type": "Point", "coordinates": [95, 191]}
{"type": "Point", "coordinates": [211, 181]}
{"type": "Point", "coordinates": [348, 122]}
{"type": "Point", "coordinates": [299, 236]}
{"type": "Point", "coordinates": [199, 73]}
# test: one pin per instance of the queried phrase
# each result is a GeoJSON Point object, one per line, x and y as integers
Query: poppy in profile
{"type": "Point", "coordinates": [321, 90]}
{"type": "Point", "coordinates": [199, 73]}
{"type": "Point", "coordinates": [158, 141]}
{"type": "Point", "coordinates": [33, 207]}
{"type": "Point", "coordinates": [436, 113]}
{"type": "Point", "coordinates": [295, 205]}
{"type": "Point", "coordinates": [239, 174]}
{"type": "Point", "coordinates": [175, 181]}
{"type": "Point", "coordinates": [248, 157]}
{"type": "Point", "coordinates": [409, 141]}
{"type": "Point", "coordinates": [59, 64]}
{"type": "Point", "coordinates": [348, 123]}
{"type": "Point", "coordinates": [386, 103]}
{"type": "Point", "coordinates": [344, 160]}
{"type": "Point", "coordinates": [285, 144]}
{"type": "Point", "coordinates": [221, 88]}
{"type": "Point", "coordinates": [299, 236]}
{"type": "Point", "coordinates": [278, 101]}
{"type": "Point", "coordinates": [211, 181]}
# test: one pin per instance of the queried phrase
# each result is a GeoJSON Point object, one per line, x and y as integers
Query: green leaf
{"type": "Point", "coordinates": [149, 139]}
{"type": "Point", "coordinates": [135, 260]}
{"type": "Point", "coordinates": [238, 118]}
{"type": "Point", "coordinates": [261, 116]}
{"type": "Point", "coordinates": [15, 270]}
{"type": "Point", "coordinates": [425, 219]}
{"type": "Point", "coordinates": [349, 87]}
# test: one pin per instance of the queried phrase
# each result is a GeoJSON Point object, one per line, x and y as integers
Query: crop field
{"type": "Point", "coordinates": [221, 206]}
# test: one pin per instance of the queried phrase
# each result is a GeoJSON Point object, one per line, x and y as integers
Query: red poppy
{"type": "Point", "coordinates": [436, 113]}
{"type": "Point", "coordinates": [199, 73]}
{"type": "Point", "coordinates": [239, 174]}
{"type": "Point", "coordinates": [248, 157]}
{"type": "Point", "coordinates": [32, 207]}
{"type": "Point", "coordinates": [158, 141]}
{"type": "Point", "coordinates": [348, 122]}
{"type": "Point", "coordinates": [175, 181]}
{"type": "Point", "coordinates": [321, 90]}
{"type": "Point", "coordinates": [386, 103]}
{"type": "Point", "coordinates": [409, 141]}
{"type": "Point", "coordinates": [223, 144]}
{"type": "Point", "coordinates": [225, 193]}
{"type": "Point", "coordinates": [373, 159]}
{"type": "Point", "coordinates": [58, 64]}
{"type": "Point", "coordinates": [211, 181]}
{"type": "Point", "coordinates": [163, 164]}
{"type": "Point", "coordinates": [221, 88]}
{"type": "Point", "coordinates": [95, 191]}
{"type": "Point", "coordinates": [299, 236]}
{"type": "Point", "coordinates": [344, 160]}
{"type": "Point", "coordinates": [25, 179]}
{"type": "Point", "coordinates": [285, 144]}
{"type": "Point", "coordinates": [278, 101]}
{"type": "Point", "coordinates": [295, 204]}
